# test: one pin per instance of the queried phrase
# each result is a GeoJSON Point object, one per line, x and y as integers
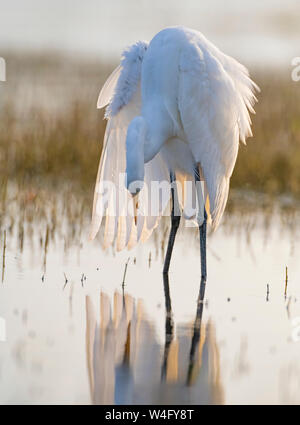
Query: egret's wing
{"type": "Point", "coordinates": [107, 91]}
{"type": "Point", "coordinates": [112, 164]}
{"type": "Point", "coordinates": [214, 98]}
{"type": "Point", "coordinates": [245, 87]}
{"type": "Point", "coordinates": [115, 202]}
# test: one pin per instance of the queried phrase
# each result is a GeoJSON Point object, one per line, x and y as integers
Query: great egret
{"type": "Point", "coordinates": [177, 108]}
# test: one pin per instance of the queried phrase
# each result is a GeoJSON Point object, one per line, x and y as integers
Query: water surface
{"type": "Point", "coordinates": [75, 335]}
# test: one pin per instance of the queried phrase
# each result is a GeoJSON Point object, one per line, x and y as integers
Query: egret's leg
{"type": "Point", "coordinates": [202, 230]}
{"type": "Point", "coordinates": [169, 327]}
{"type": "Point", "coordinates": [202, 220]}
{"type": "Point", "coordinates": [175, 221]}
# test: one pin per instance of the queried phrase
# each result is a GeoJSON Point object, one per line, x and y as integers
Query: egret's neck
{"type": "Point", "coordinates": [135, 140]}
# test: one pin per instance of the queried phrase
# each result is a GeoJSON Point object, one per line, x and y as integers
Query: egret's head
{"type": "Point", "coordinates": [135, 140]}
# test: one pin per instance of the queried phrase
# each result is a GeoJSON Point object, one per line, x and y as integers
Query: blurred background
{"type": "Point", "coordinates": [263, 33]}
{"type": "Point", "coordinates": [58, 54]}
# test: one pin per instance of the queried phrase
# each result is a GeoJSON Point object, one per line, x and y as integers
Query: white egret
{"type": "Point", "coordinates": [177, 108]}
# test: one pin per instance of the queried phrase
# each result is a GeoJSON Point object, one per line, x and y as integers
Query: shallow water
{"type": "Point", "coordinates": [74, 336]}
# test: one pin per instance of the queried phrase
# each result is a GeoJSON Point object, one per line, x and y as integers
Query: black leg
{"type": "Point", "coordinates": [175, 220]}
{"type": "Point", "coordinates": [202, 232]}
{"type": "Point", "coordinates": [200, 301]}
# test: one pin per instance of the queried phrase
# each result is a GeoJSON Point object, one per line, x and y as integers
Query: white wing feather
{"type": "Point", "coordinates": [244, 87]}
{"type": "Point", "coordinates": [215, 96]}
{"type": "Point", "coordinates": [122, 93]}
{"type": "Point", "coordinates": [107, 91]}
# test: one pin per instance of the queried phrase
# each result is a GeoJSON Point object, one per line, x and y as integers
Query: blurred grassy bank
{"type": "Point", "coordinates": [50, 129]}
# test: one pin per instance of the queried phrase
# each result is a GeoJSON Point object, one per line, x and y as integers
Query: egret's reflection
{"type": "Point", "coordinates": [127, 363]}
{"type": "Point", "coordinates": [169, 326]}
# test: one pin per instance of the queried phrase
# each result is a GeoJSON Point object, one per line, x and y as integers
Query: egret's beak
{"type": "Point", "coordinates": [134, 191]}
{"type": "Point", "coordinates": [135, 199]}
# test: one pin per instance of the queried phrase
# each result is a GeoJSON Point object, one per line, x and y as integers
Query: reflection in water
{"type": "Point", "coordinates": [127, 365]}
{"type": "Point", "coordinates": [48, 268]}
